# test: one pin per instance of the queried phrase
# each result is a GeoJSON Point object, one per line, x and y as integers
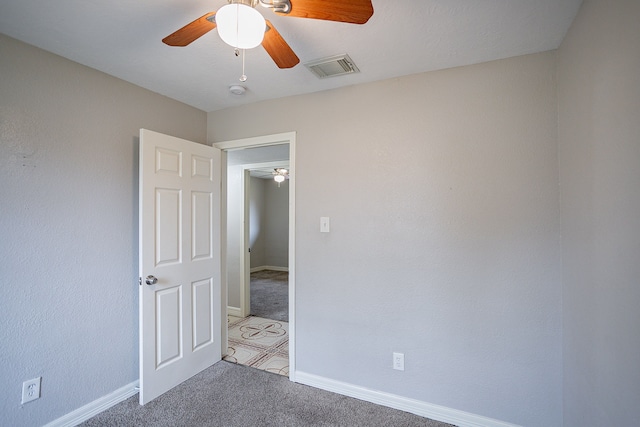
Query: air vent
{"type": "Point", "coordinates": [332, 66]}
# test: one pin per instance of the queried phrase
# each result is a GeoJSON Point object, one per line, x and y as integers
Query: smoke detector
{"type": "Point", "coordinates": [237, 90]}
{"type": "Point", "coordinates": [332, 66]}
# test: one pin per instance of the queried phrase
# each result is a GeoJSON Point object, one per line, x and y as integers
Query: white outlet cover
{"type": "Point", "coordinates": [31, 390]}
{"type": "Point", "coordinates": [398, 361]}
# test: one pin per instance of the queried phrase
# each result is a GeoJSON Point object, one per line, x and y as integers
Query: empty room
{"type": "Point", "coordinates": [462, 224]}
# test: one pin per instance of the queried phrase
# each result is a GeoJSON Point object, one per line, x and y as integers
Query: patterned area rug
{"type": "Point", "coordinates": [259, 343]}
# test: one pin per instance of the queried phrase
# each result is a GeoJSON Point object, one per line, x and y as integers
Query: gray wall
{"type": "Point", "coordinates": [269, 228]}
{"type": "Point", "coordinates": [599, 150]}
{"type": "Point", "coordinates": [276, 228]}
{"type": "Point", "coordinates": [68, 227]}
{"type": "Point", "coordinates": [235, 221]}
{"type": "Point", "coordinates": [445, 234]}
{"type": "Point", "coordinates": [269, 218]}
{"type": "Point", "coordinates": [257, 222]}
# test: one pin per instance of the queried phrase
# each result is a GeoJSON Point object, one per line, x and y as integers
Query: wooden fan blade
{"type": "Point", "coordinates": [278, 49]}
{"type": "Point", "coordinates": [351, 11]}
{"type": "Point", "coordinates": [191, 31]}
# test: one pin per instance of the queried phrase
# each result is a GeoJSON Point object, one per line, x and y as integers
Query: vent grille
{"type": "Point", "coordinates": [337, 65]}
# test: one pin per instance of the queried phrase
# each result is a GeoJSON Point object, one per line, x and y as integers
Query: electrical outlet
{"type": "Point", "coordinates": [398, 361]}
{"type": "Point", "coordinates": [31, 390]}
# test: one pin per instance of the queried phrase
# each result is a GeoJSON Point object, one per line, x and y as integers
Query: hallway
{"type": "Point", "coordinates": [261, 340]}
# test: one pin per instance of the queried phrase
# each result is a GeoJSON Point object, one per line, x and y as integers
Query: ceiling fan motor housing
{"type": "Point", "coordinates": [280, 6]}
{"type": "Point", "coordinates": [251, 3]}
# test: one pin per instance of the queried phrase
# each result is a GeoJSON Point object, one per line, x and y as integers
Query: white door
{"type": "Point", "coordinates": [180, 269]}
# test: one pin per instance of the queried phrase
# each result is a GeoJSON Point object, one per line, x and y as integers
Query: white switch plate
{"type": "Point", "coordinates": [324, 224]}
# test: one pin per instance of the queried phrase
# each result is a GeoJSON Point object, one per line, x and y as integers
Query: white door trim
{"type": "Point", "coordinates": [245, 256]}
{"type": "Point", "coordinates": [261, 141]}
{"type": "Point", "coordinates": [257, 141]}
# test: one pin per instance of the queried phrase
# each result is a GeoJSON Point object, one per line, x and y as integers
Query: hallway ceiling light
{"type": "Point", "coordinates": [280, 174]}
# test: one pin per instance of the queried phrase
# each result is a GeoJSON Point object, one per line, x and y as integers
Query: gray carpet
{"type": "Point", "coordinates": [270, 295]}
{"type": "Point", "coordinates": [229, 395]}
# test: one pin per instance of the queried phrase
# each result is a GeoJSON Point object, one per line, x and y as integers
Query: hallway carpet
{"type": "Point", "coordinates": [270, 295]}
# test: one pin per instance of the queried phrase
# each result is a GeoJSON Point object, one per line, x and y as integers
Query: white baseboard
{"type": "Point", "coordinates": [94, 408]}
{"type": "Point", "coordinates": [268, 267]}
{"type": "Point", "coordinates": [234, 311]}
{"type": "Point", "coordinates": [424, 409]}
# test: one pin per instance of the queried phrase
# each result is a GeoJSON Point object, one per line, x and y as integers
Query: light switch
{"type": "Point", "coordinates": [324, 224]}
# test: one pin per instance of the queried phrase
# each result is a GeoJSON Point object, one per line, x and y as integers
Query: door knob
{"type": "Point", "coordinates": [151, 280]}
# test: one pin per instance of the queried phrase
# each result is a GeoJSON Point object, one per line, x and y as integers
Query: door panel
{"type": "Point", "coordinates": [167, 223]}
{"type": "Point", "coordinates": [180, 313]}
{"type": "Point", "coordinates": [201, 206]}
{"type": "Point", "coordinates": [169, 326]}
{"type": "Point", "coordinates": [202, 314]}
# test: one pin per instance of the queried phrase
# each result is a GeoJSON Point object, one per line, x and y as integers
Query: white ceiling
{"type": "Point", "coordinates": [261, 160]}
{"type": "Point", "coordinates": [123, 38]}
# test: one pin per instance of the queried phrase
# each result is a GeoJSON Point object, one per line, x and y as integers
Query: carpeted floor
{"type": "Point", "coordinates": [229, 395]}
{"type": "Point", "coordinates": [270, 295]}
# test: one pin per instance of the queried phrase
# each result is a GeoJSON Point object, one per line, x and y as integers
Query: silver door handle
{"type": "Point", "coordinates": [151, 280]}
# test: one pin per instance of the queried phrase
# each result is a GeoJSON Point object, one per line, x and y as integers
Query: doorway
{"type": "Point", "coordinates": [266, 231]}
{"type": "Point", "coordinates": [259, 156]}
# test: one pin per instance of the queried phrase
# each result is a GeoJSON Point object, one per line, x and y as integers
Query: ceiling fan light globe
{"type": "Point", "coordinates": [240, 25]}
{"type": "Point", "coordinates": [278, 178]}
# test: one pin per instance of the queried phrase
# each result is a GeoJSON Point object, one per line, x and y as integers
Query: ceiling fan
{"type": "Point", "coordinates": [280, 174]}
{"type": "Point", "coordinates": [349, 11]}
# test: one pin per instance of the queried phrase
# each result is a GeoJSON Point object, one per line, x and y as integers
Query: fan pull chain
{"type": "Point", "coordinates": [243, 77]}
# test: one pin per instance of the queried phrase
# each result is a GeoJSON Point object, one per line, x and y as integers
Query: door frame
{"type": "Point", "coordinates": [263, 141]}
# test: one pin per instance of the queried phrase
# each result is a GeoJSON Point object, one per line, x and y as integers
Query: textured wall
{"type": "Point", "coordinates": [257, 222]}
{"type": "Point", "coordinates": [269, 219]}
{"type": "Point", "coordinates": [445, 234]}
{"type": "Point", "coordinates": [234, 223]}
{"type": "Point", "coordinates": [277, 223]}
{"type": "Point", "coordinates": [599, 140]}
{"type": "Point", "coordinates": [68, 227]}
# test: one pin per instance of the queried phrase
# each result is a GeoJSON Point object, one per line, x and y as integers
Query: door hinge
{"type": "Point", "coordinates": [139, 281]}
